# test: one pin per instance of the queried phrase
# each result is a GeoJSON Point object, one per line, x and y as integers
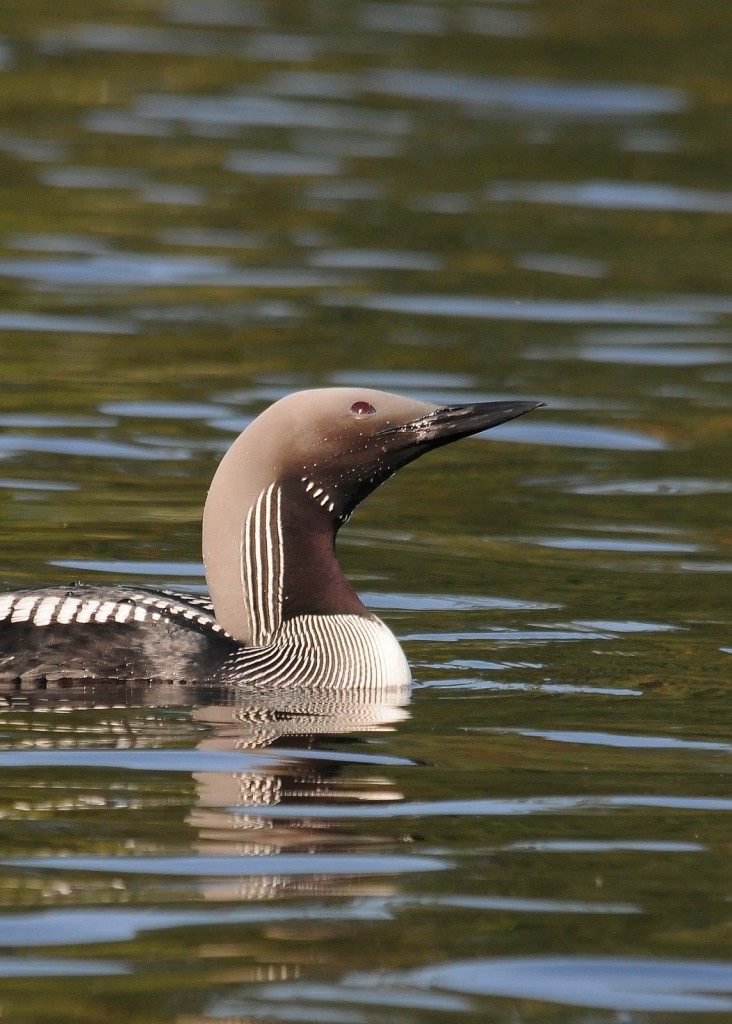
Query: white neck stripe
{"type": "Point", "coordinates": [262, 564]}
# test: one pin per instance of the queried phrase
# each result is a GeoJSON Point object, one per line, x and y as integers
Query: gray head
{"type": "Point", "coordinates": [293, 477]}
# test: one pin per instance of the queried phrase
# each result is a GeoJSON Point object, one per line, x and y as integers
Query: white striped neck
{"type": "Point", "coordinates": [274, 562]}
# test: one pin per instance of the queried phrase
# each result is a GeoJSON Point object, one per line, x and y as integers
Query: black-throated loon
{"type": "Point", "coordinates": [281, 610]}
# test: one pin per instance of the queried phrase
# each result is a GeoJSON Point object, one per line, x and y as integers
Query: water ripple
{"type": "Point", "coordinates": [448, 602]}
{"type": "Point", "coordinates": [236, 867]}
{"type": "Point", "coordinates": [496, 807]}
{"type": "Point", "coordinates": [565, 100]}
{"type": "Point", "coordinates": [87, 448]}
{"type": "Point", "coordinates": [163, 410]}
{"type": "Point", "coordinates": [570, 435]}
{"type": "Point", "coordinates": [540, 310]}
{"type": "Point", "coordinates": [654, 356]}
{"type": "Point", "coordinates": [619, 983]}
{"type": "Point", "coordinates": [137, 270]}
{"type": "Point", "coordinates": [629, 545]}
{"type": "Point", "coordinates": [374, 259]}
{"type": "Point", "coordinates": [63, 967]}
{"type": "Point", "coordinates": [83, 926]}
{"type": "Point", "coordinates": [604, 739]}
{"type": "Point", "coordinates": [188, 760]}
{"type": "Point", "coordinates": [605, 846]}
{"type": "Point", "coordinates": [283, 163]}
{"type": "Point", "coordinates": [613, 195]}
{"type": "Point", "coordinates": [663, 487]}
{"type": "Point", "coordinates": [247, 110]}
{"type": "Point", "coordinates": [227, 13]}
{"type": "Point", "coordinates": [60, 323]}
{"type": "Point", "coordinates": [524, 905]}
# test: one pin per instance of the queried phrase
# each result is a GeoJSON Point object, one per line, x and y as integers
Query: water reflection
{"type": "Point", "coordinates": [257, 751]}
{"type": "Point", "coordinates": [563, 100]}
{"type": "Point", "coordinates": [615, 983]}
{"type": "Point", "coordinates": [576, 311]}
{"type": "Point", "coordinates": [614, 195]}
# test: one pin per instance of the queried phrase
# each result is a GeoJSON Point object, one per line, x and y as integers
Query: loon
{"type": "Point", "coordinates": [281, 612]}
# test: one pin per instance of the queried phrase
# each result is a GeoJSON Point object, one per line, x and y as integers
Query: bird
{"type": "Point", "coordinates": [281, 613]}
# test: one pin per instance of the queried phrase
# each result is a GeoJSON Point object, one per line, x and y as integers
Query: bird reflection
{"type": "Point", "coordinates": [282, 735]}
{"type": "Point", "coordinates": [293, 722]}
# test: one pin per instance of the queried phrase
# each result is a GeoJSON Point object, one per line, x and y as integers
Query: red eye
{"type": "Point", "coordinates": [362, 408]}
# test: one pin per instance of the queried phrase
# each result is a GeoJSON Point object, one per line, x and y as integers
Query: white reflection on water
{"type": "Point", "coordinates": [214, 238]}
{"type": "Point", "coordinates": [148, 39]}
{"type": "Point", "coordinates": [449, 602]}
{"type": "Point", "coordinates": [93, 177]}
{"type": "Point", "coordinates": [138, 270]}
{"type": "Point", "coordinates": [567, 311]}
{"type": "Point", "coordinates": [405, 382]}
{"type": "Point", "coordinates": [161, 570]}
{"type": "Point", "coordinates": [315, 84]}
{"type": "Point", "coordinates": [647, 336]}
{"type": "Point", "coordinates": [283, 163]}
{"type": "Point", "coordinates": [66, 242]}
{"type": "Point", "coordinates": [606, 739]}
{"type": "Point", "coordinates": [663, 487]}
{"type": "Point", "coordinates": [556, 263]}
{"type": "Point", "coordinates": [576, 436]}
{"type": "Point", "coordinates": [60, 323]}
{"type": "Point", "coordinates": [374, 259]}
{"type": "Point", "coordinates": [163, 410]}
{"type": "Point", "coordinates": [90, 926]}
{"type": "Point", "coordinates": [275, 865]}
{"type": "Point", "coordinates": [613, 983]}
{"type": "Point", "coordinates": [654, 356]}
{"type": "Point", "coordinates": [173, 195]}
{"type": "Point", "coordinates": [87, 447]}
{"type": "Point", "coordinates": [565, 100]}
{"type": "Point", "coordinates": [404, 18]}
{"type": "Point", "coordinates": [611, 544]}
{"type": "Point", "coordinates": [503, 21]}
{"type": "Point", "coordinates": [605, 846]}
{"type": "Point", "coordinates": [242, 13]}
{"type": "Point", "coordinates": [24, 148]}
{"type": "Point", "coordinates": [524, 905]}
{"type": "Point", "coordinates": [59, 967]}
{"type": "Point", "coordinates": [248, 111]}
{"type": "Point", "coordinates": [613, 195]}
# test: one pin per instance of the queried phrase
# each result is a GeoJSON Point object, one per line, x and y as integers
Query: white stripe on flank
{"type": "Point", "coordinates": [45, 610]}
{"type": "Point", "coordinates": [105, 611]}
{"type": "Point", "coordinates": [67, 611]}
{"type": "Point", "coordinates": [123, 613]}
{"type": "Point", "coordinates": [86, 611]}
{"type": "Point", "coordinates": [23, 608]}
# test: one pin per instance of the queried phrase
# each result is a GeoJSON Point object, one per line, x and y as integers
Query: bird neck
{"type": "Point", "coordinates": [271, 561]}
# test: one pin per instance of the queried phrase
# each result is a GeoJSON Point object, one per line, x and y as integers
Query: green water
{"type": "Point", "coordinates": [206, 205]}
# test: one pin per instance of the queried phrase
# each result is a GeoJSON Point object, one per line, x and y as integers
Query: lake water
{"type": "Point", "coordinates": [210, 203]}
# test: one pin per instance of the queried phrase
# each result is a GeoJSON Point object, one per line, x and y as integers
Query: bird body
{"type": "Point", "coordinates": [282, 612]}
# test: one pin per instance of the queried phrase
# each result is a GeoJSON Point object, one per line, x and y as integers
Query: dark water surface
{"type": "Point", "coordinates": [209, 203]}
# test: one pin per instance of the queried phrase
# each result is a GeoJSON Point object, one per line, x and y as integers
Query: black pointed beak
{"type": "Point", "coordinates": [451, 422]}
{"type": "Point", "coordinates": [387, 450]}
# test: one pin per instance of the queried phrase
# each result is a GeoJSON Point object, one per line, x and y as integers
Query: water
{"type": "Point", "coordinates": [208, 205]}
